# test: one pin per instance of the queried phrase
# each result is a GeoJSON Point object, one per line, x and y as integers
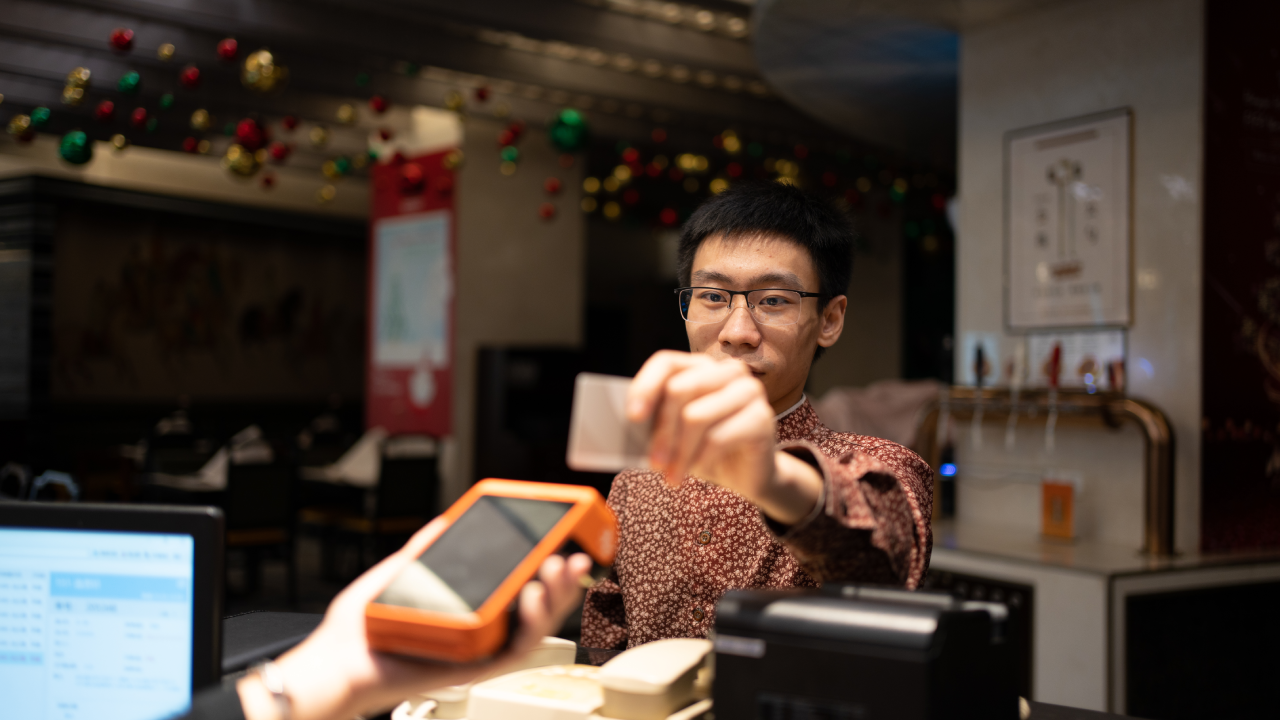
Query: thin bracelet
{"type": "Point", "coordinates": [273, 681]}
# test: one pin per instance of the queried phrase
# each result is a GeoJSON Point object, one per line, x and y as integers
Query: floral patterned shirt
{"type": "Point", "coordinates": [681, 548]}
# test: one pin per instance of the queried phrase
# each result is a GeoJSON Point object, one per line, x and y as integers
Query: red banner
{"type": "Point", "coordinates": [412, 251]}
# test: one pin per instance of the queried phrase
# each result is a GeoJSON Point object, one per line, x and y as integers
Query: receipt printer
{"type": "Point", "coordinates": [853, 652]}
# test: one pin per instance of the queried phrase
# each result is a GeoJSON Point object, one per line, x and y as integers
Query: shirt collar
{"type": "Point", "coordinates": [798, 422]}
{"type": "Point", "coordinates": [793, 408]}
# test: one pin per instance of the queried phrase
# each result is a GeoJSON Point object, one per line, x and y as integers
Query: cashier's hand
{"type": "Point", "coordinates": [712, 419]}
{"type": "Point", "coordinates": [335, 675]}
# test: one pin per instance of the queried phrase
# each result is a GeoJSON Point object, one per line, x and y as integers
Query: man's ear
{"type": "Point", "coordinates": [832, 321]}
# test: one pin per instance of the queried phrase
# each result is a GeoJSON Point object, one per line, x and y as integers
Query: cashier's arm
{"type": "Point", "coordinates": [335, 675]}
{"type": "Point", "coordinates": [713, 419]}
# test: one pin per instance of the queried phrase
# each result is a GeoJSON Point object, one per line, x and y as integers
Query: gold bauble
{"type": "Point", "coordinates": [453, 159]}
{"type": "Point", "coordinates": [346, 114]}
{"type": "Point", "coordinates": [72, 96]}
{"type": "Point", "coordinates": [203, 147]}
{"type": "Point", "coordinates": [165, 52]}
{"type": "Point", "coordinates": [454, 101]}
{"type": "Point", "coordinates": [319, 136]}
{"type": "Point", "coordinates": [119, 141]}
{"type": "Point", "coordinates": [260, 72]}
{"type": "Point", "coordinates": [326, 194]}
{"type": "Point", "coordinates": [20, 125]}
{"type": "Point", "coordinates": [79, 78]}
{"type": "Point", "coordinates": [240, 161]}
{"type": "Point", "coordinates": [200, 120]}
{"type": "Point", "coordinates": [330, 170]}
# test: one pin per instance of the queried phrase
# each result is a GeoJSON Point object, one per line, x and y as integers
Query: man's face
{"type": "Point", "coordinates": [779, 355]}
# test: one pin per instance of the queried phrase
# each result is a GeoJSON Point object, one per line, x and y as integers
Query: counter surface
{"type": "Point", "coordinates": [1081, 556]}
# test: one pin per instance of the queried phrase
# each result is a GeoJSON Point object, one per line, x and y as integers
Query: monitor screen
{"type": "Point", "coordinates": [95, 624]}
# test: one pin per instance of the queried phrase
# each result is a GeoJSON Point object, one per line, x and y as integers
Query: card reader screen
{"type": "Point", "coordinates": [470, 560]}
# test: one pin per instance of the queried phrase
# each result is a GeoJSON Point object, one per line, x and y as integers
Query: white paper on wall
{"type": "Point", "coordinates": [1068, 224]}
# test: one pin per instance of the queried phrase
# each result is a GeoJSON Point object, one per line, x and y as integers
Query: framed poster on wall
{"type": "Point", "coordinates": [1067, 223]}
{"type": "Point", "coordinates": [409, 381]}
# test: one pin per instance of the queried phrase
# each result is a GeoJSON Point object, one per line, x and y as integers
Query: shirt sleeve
{"type": "Point", "coordinates": [604, 616]}
{"type": "Point", "coordinates": [873, 526]}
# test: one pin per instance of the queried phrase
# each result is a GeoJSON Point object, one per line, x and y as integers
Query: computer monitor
{"type": "Point", "coordinates": [110, 612]}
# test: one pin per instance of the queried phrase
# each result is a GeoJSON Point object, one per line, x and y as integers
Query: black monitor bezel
{"type": "Point", "coordinates": [204, 525]}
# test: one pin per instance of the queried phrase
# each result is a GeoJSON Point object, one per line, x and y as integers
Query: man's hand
{"type": "Point", "coordinates": [335, 675]}
{"type": "Point", "coordinates": [712, 419]}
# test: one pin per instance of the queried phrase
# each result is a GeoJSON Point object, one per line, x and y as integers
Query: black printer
{"type": "Point", "coordinates": [850, 652]}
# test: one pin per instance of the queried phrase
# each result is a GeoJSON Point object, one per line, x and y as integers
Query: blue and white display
{"type": "Point", "coordinates": [95, 624]}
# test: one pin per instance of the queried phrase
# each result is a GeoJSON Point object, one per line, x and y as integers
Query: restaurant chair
{"type": "Point", "coordinates": [259, 508]}
{"type": "Point", "coordinates": [14, 479]}
{"type": "Point", "coordinates": [403, 501]}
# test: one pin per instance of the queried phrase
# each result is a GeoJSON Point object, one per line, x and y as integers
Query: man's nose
{"type": "Point", "coordinates": [740, 327]}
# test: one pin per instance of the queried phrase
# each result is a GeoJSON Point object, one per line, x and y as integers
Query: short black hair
{"type": "Point", "coordinates": [755, 209]}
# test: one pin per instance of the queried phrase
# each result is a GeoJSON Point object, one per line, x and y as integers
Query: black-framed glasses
{"type": "Point", "coordinates": [769, 306]}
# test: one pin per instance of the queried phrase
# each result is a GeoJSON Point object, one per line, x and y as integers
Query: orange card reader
{"type": "Point", "coordinates": [457, 601]}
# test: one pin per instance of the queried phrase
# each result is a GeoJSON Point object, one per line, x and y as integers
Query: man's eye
{"type": "Point", "coordinates": [774, 301]}
{"type": "Point", "coordinates": [711, 297]}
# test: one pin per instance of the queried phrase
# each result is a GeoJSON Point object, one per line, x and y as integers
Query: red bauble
{"type": "Point", "coordinates": [668, 216]}
{"type": "Point", "coordinates": [378, 104]}
{"type": "Point", "coordinates": [290, 122]}
{"type": "Point", "coordinates": [506, 137]}
{"type": "Point", "coordinates": [939, 201]}
{"type": "Point", "coordinates": [733, 170]}
{"type": "Point", "coordinates": [482, 93]}
{"type": "Point", "coordinates": [547, 211]}
{"type": "Point", "coordinates": [552, 185]}
{"type": "Point", "coordinates": [385, 134]}
{"type": "Point", "coordinates": [653, 170]}
{"type": "Point", "coordinates": [189, 77]}
{"type": "Point", "coordinates": [250, 135]}
{"type": "Point", "coordinates": [269, 180]}
{"type": "Point", "coordinates": [411, 178]}
{"type": "Point", "coordinates": [138, 117]}
{"type": "Point", "coordinates": [122, 39]}
{"type": "Point", "coordinates": [630, 155]}
{"type": "Point", "coordinates": [516, 128]}
{"type": "Point", "coordinates": [228, 48]}
{"type": "Point", "coordinates": [631, 196]}
{"type": "Point", "coordinates": [442, 184]}
{"type": "Point", "coordinates": [279, 151]}
{"type": "Point", "coordinates": [190, 145]}
{"type": "Point", "coordinates": [105, 112]}
{"type": "Point", "coordinates": [566, 160]}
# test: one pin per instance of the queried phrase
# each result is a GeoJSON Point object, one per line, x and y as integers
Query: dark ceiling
{"type": "Point", "coordinates": [629, 64]}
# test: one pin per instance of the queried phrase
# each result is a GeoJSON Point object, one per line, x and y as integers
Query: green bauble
{"type": "Point", "coordinates": [569, 131]}
{"type": "Point", "coordinates": [76, 148]}
{"type": "Point", "coordinates": [40, 117]}
{"type": "Point", "coordinates": [129, 83]}
{"type": "Point", "coordinates": [342, 164]}
{"type": "Point", "coordinates": [509, 153]}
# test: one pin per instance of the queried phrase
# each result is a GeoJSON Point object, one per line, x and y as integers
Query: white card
{"type": "Point", "coordinates": [601, 439]}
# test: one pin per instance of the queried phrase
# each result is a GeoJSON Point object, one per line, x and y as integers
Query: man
{"type": "Point", "coordinates": [748, 488]}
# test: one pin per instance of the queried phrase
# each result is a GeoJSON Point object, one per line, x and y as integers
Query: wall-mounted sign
{"type": "Point", "coordinates": [1067, 243]}
{"type": "Point", "coordinates": [409, 384]}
